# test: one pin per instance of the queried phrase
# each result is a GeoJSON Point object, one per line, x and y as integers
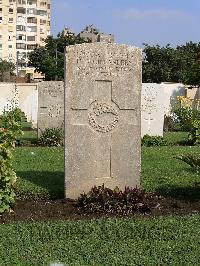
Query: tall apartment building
{"type": "Point", "coordinates": [24, 24]}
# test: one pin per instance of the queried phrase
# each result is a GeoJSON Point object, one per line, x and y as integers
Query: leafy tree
{"type": "Point", "coordinates": [49, 60]}
{"type": "Point", "coordinates": [180, 64]}
{"type": "Point", "coordinates": [157, 63]}
{"type": "Point", "coordinates": [6, 70]}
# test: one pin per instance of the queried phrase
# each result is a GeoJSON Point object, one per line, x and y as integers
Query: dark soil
{"type": "Point", "coordinates": [51, 210]}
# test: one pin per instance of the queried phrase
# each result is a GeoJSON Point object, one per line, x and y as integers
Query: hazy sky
{"type": "Point", "coordinates": [132, 21]}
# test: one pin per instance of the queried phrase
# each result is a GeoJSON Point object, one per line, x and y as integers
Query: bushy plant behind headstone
{"type": "Point", "coordinates": [52, 137]}
{"type": "Point", "coordinates": [186, 115]}
{"type": "Point", "coordinates": [10, 123]}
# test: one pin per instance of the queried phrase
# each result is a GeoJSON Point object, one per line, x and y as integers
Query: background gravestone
{"type": "Point", "coordinates": [28, 101]}
{"type": "Point", "coordinates": [9, 97]}
{"type": "Point", "coordinates": [193, 93]}
{"type": "Point", "coordinates": [102, 117]}
{"type": "Point", "coordinates": [171, 92]}
{"type": "Point", "coordinates": [152, 109]}
{"type": "Point", "coordinates": [50, 105]}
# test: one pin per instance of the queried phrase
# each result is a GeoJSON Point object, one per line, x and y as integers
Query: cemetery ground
{"type": "Point", "coordinates": [44, 228]}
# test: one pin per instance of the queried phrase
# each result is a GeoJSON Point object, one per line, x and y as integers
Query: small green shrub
{"type": "Point", "coordinates": [23, 142]}
{"type": "Point", "coordinates": [194, 135]}
{"type": "Point", "coordinates": [184, 113]}
{"type": "Point", "coordinates": [52, 137]}
{"type": "Point", "coordinates": [185, 117]}
{"type": "Point", "coordinates": [11, 120]}
{"type": "Point", "coordinates": [104, 200]}
{"type": "Point", "coordinates": [171, 124]}
{"type": "Point", "coordinates": [149, 141]}
{"type": "Point", "coordinates": [191, 159]}
{"type": "Point", "coordinates": [10, 129]}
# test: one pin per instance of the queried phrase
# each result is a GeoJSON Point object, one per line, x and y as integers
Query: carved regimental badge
{"type": "Point", "coordinates": [103, 117]}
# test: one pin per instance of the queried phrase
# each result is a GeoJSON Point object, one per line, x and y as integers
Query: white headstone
{"type": "Point", "coordinates": [152, 110]}
{"type": "Point", "coordinates": [28, 101]}
{"type": "Point", "coordinates": [9, 97]}
{"type": "Point", "coordinates": [171, 92]}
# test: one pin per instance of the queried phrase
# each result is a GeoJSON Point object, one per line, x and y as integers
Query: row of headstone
{"type": "Point", "coordinates": [23, 96]}
{"type": "Point", "coordinates": [102, 105]}
{"type": "Point", "coordinates": [43, 103]}
{"type": "Point", "coordinates": [156, 102]}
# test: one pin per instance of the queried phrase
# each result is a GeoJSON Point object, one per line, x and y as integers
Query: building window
{"type": "Point", "coordinates": [1, 19]}
{"type": "Point", "coordinates": [21, 46]}
{"type": "Point", "coordinates": [0, 9]}
{"type": "Point", "coordinates": [43, 4]}
{"type": "Point", "coordinates": [10, 20]}
{"type": "Point", "coordinates": [10, 46]}
{"type": "Point", "coordinates": [0, 45]}
{"type": "Point", "coordinates": [42, 13]}
{"type": "Point", "coordinates": [33, 2]}
{"type": "Point", "coordinates": [21, 19]}
{"type": "Point", "coordinates": [31, 46]}
{"type": "Point", "coordinates": [21, 2]}
{"type": "Point", "coordinates": [11, 10]}
{"type": "Point", "coordinates": [21, 37]}
{"type": "Point", "coordinates": [41, 30]}
{"type": "Point", "coordinates": [32, 29]}
{"type": "Point", "coordinates": [31, 38]}
{"type": "Point", "coordinates": [21, 28]}
{"type": "Point", "coordinates": [21, 10]}
{"type": "Point", "coordinates": [32, 20]}
{"type": "Point", "coordinates": [42, 21]}
{"type": "Point", "coordinates": [32, 11]}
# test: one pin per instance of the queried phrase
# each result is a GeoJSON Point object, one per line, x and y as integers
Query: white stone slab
{"type": "Point", "coordinates": [171, 92]}
{"type": "Point", "coordinates": [28, 101]}
{"type": "Point", "coordinates": [152, 110]}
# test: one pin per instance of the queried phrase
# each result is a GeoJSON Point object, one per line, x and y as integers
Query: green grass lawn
{"type": "Point", "coordinates": [41, 172]}
{"type": "Point", "coordinates": [155, 241]}
{"type": "Point", "coordinates": [163, 174]}
{"type": "Point", "coordinates": [29, 135]}
{"type": "Point", "coordinates": [176, 137]}
{"type": "Point", "coordinates": [134, 241]}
